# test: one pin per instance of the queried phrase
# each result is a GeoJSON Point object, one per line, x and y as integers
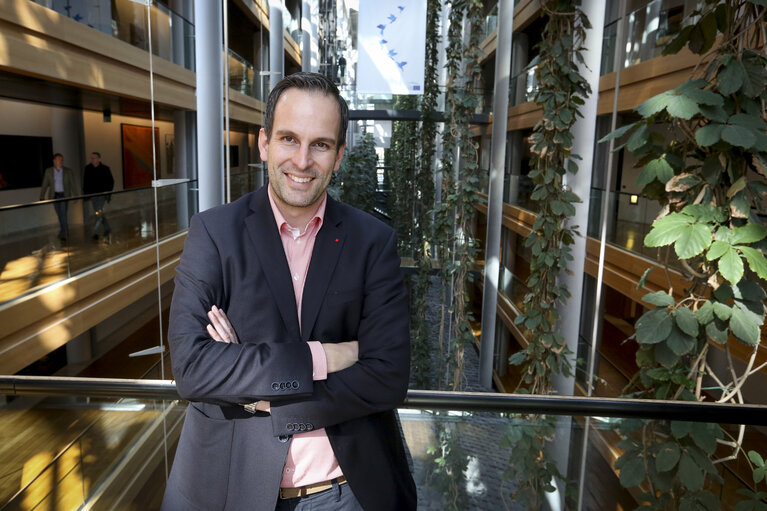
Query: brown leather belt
{"type": "Point", "coordinates": [303, 491]}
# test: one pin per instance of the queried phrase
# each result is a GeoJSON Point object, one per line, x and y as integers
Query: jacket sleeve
{"type": "Point", "coordinates": [378, 381]}
{"type": "Point", "coordinates": [45, 184]}
{"type": "Point", "coordinates": [216, 372]}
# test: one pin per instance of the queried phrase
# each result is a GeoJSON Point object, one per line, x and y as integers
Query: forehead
{"type": "Point", "coordinates": [311, 113]}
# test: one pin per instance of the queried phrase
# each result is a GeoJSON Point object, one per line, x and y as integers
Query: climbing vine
{"type": "Point", "coordinates": [708, 173]}
{"type": "Point", "coordinates": [357, 175]}
{"type": "Point", "coordinates": [561, 92]}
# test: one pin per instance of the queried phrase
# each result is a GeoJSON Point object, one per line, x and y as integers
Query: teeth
{"type": "Point", "coordinates": [300, 179]}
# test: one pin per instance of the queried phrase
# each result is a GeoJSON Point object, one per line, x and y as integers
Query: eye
{"type": "Point", "coordinates": [322, 146]}
{"type": "Point", "coordinates": [288, 139]}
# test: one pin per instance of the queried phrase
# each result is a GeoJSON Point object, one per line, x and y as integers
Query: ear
{"type": "Point", "coordinates": [339, 157]}
{"type": "Point", "coordinates": [263, 145]}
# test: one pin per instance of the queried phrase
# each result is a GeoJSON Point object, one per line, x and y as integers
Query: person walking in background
{"type": "Point", "coordinates": [97, 178]}
{"type": "Point", "coordinates": [341, 68]}
{"type": "Point", "coordinates": [58, 183]}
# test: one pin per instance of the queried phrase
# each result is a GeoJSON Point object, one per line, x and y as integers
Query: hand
{"type": "Point", "coordinates": [220, 329]}
{"type": "Point", "coordinates": [341, 355]}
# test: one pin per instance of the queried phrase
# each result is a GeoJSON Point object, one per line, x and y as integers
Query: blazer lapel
{"type": "Point", "coordinates": [267, 246]}
{"type": "Point", "coordinates": [327, 249]}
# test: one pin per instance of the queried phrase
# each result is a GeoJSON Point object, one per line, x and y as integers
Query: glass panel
{"type": "Point", "coordinates": [491, 21]}
{"type": "Point", "coordinates": [172, 35]}
{"type": "Point", "coordinates": [653, 26]}
{"type": "Point", "coordinates": [608, 48]}
{"type": "Point", "coordinates": [34, 255]}
{"type": "Point", "coordinates": [522, 87]}
{"type": "Point", "coordinates": [242, 76]}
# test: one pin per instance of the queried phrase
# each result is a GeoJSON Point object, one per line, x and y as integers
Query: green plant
{"type": "Point", "coordinates": [756, 499]}
{"type": "Point", "coordinates": [561, 90]}
{"type": "Point", "coordinates": [708, 174]}
{"type": "Point", "coordinates": [357, 175]}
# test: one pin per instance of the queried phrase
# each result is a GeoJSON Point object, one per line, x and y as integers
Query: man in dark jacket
{"type": "Point", "coordinates": [97, 178]}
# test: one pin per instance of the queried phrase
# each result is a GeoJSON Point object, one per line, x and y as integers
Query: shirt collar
{"type": "Point", "coordinates": [318, 217]}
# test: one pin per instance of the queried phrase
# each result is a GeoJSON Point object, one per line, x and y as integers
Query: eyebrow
{"type": "Point", "coordinates": [281, 133]}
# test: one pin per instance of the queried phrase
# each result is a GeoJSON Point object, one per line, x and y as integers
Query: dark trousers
{"type": "Point", "coordinates": [337, 498]}
{"type": "Point", "coordinates": [61, 207]}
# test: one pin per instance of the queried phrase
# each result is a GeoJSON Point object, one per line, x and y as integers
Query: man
{"type": "Point", "coordinates": [58, 183]}
{"type": "Point", "coordinates": [313, 293]}
{"type": "Point", "coordinates": [97, 178]}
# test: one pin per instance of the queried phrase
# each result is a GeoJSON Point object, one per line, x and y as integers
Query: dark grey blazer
{"type": "Point", "coordinates": [228, 459]}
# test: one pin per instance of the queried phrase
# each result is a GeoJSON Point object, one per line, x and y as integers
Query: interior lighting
{"type": "Point", "coordinates": [634, 199]}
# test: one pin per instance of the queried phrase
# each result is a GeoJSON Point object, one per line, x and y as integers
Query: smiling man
{"type": "Point", "coordinates": [293, 388]}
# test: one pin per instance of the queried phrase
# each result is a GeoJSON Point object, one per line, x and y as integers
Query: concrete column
{"type": "Point", "coordinates": [276, 43]}
{"type": "Point", "coordinates": [516, 150]}
{"type": "Point", "coordinates": [67, 133]}
{"type": "Point", "coordinates": [495, 192]}
{"type": "Point", "coordinates": [183, 164]}
{"type": "Point", "coordinates": [210, 111]}
{"type": "Point", "coordinates": [306, 36]}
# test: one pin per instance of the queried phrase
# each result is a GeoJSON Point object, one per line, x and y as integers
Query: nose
{"type": "Point", "coordinates": [302, 159]}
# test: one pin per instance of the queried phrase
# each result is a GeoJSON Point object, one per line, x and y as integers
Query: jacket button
{"type": "Point", "coordinates": [295, 384]}
{"type": "Point", "coordinates": [283, 438]}
{"type": "Point", "coordinates": [282, 385]}
{"type": "Point", "coordinates": [309, 426]}
{"type": "Point", "coordinates": [290, 427]}
{"type": "Point", "coordinates": [275, 386]}
{"type": "Point", "coordinates": [302, 427]}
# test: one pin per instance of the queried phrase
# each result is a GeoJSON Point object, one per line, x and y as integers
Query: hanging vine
{"type": "Point", "coordinates": [561, 92]}
{"type": "Point", "coordinates": [708, 172]}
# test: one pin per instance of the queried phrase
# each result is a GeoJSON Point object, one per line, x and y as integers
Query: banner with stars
{"type": "Point", "coordinates": [391, 39]}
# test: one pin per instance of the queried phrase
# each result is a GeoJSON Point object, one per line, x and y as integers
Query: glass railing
{"type": "Point", "coordinates": [648, 30]}
{"type": "Point", "coordinates": [630, 219]}
{"type": "Point", "coordinates": [522, 87]}
{"type": "Point", "coordinates": [292, 25]}
{"type": "Point", "coordinates": [172, 36]}
{"type": "Point", "coordinates": [246, 182]}
{"type": "Point", "coordinates": [491, 21]}
{"type": "Point", "coordinates": [517, 190]}
{"type": "Point", "coordinates": [242, 76]}
{"type": "Point", "coordinates": [35, 254]}
{"type": "Point", "coordinates": [473, 451]}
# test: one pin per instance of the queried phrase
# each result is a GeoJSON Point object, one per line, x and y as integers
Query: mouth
{"type": "Point", "coordinates": [299, 179]}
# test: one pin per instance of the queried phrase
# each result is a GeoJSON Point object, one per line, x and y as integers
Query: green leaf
{"type": "Point", "coordinates": [748, 121]}
{"type": "Point", "coordinates": [665, 355]}
{"type": "Point", "coordinates": [653, 327]}
{"type": "Point", "coordinates": [639, 138]}
{"type": "Point", "coordinates": [661, 169]}
{"type": "Point", "coordinates": [711, 170]}
{"type": "Point", "coordinates": [749, 290]}
{"type": "Point", "coordinates": [705, 213]}
{"type": "Point", "coordinates": [667, 457]}
{"type": "Point", "coordinates": [659, 298]}
{"type": "Point", "coordinates": [708, 26]}
{"type": "Point", "coordinates": [756, 459]}
{"type": "Point", "coordinates": [749, 233]}
{"type": "Point", "coordinates": [685, 320]}
{"type": "Point", "coordinates": [678, 42]}
{"type": "Point", "coordinates": [717, 250]}
{"type": "Point", "coordinates": [680, 429]}
{"type": "Point", "coordinates": [709, 134]}
{"type": "Point", "coordinates": [690, 475]}
{"type": "Point", "coordinates": [731, 78]}
{"type": "Point", "coordinates": [655, 104]}
{"type": "Point", "coordinates": [705, 314]}
{"type": "Point", "coordinates": [632, 473]}
{"type": "Point", "coordinates": [722, 311]}
{"type": "Point", "coordinates": [682, 107]}
{"type": "Point", "coordinates": [743, 328]}
{"type": "Point", "coordinates": [693, 241]}
{"type": "Point", "coordinates": [756, 261]}
{"type": "Point", "coordinates": [731, 266]}
{"type": "Point", "coordinates": [704, 436]}
{"type": "Point", "coordinates": [717, 332]}
{"type": "Point", "coordinates": [714, 113]}
{"type": "Point", "coordinates": [679, 342]}
{"type": "Point", "coordinates": [667, 229]}
{"type": "Point", "coordinates": [619, 132]}
{"type": "Point", "coordinates": [738, 136]}
{"type": "Point", "coordinates": [643, 278]}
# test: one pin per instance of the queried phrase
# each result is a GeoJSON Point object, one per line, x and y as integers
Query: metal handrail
{"type": "Point", "coordinates": [724, 413]}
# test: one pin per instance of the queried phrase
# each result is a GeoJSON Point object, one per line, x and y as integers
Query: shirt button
{"type": "Point", "coordinates": [298, 241]}
{"type": "Point", "coordinates": [287, 470]}
{"type": "Point", "coordinates": [295, 277]}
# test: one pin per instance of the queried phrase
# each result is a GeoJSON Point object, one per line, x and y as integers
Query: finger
{"type": "Point", "coordinates": [216, 323]}
{"type": "Point", "coordinates": [226, 324]}
{"type": "Point", "coordinates": [212, 332]}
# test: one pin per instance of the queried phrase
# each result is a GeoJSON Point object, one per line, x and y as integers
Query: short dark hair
{"type": "Point", "coordinates": [309, 82]}
{"type": "Point", "coordinates": [57, 155]}
{"type": "Point", "coordinates": [97, 154]}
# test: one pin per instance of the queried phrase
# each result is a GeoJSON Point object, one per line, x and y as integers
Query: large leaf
{"type": "Point", "coordinates": [717, 331]}
{"type": "Point", "coordinates": [731, 266]}
{"type": "Point", "coordinates": [665, 355]}
{"type": "Point", "coordinates": [619, 132]}
{"type": "Point", "coordinates": [717, 250]}
{"type": "Point", "coordinates": [632, 472]}
{"type": "Point", "coordinates": [743, 328]}
{"type": "Point", "coordinates": [653, 327]}
{"type": "Point", "coordinates": [756, 261]}
{"type": "Point", "coordinates": [749, 233]}
{"type": "Point", "coordinates": [689, 473]}
{"type": "Point", "coordinates": [661, 168]}
{"type": "Point", "coordinates": [682, 107]}
{"type": "Point", "coordinates": [695, 238]}
{"type": "Point", "coordinates": [679, 342]}
{"type": "Point", "coordinates": [659, 298]}
{"type": "Point", "coordinates": [705, 314]}
{"type": "Point", "coordinates": [705, 213]}
{"type": "Point", "coordinates": [731, 78]}
{"type": "Point", "coordinates": [667, 457]}
{"type": "Point", "coordinates": [704, 435]}
{"type": "Point", "coordinates": [639, 138]}
{"type": "Point", "coordinates": [667, 229]}
{"type": "Point", "coordinates": [738, 136]}
{"type": "Point", "coordinates": [709, 134]}
{"type": "Point", "coordinates": [685, 320]}
{"type": "Point", "coordinates": [655, 104]}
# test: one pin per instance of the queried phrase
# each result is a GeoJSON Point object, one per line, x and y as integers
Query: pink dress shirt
{"type": "Point", "coordinates": [310, 458]}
